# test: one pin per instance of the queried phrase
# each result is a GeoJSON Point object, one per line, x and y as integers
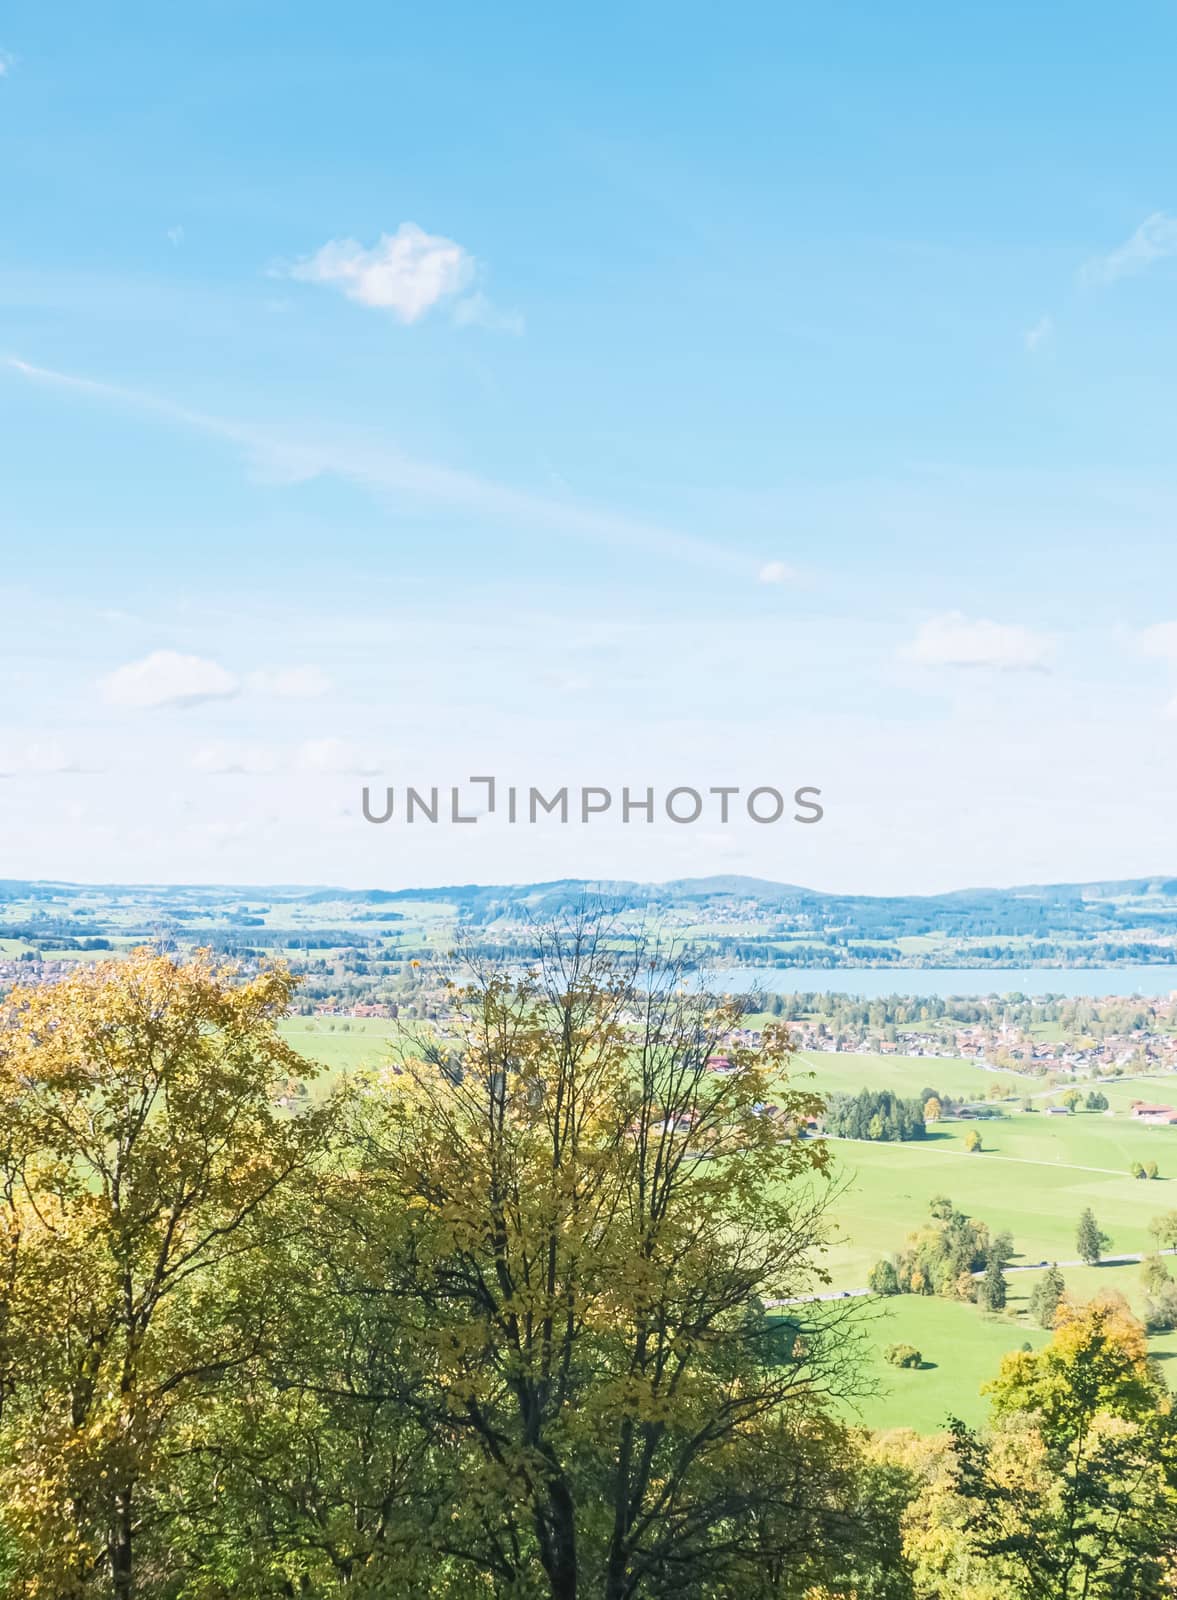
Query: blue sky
{"type": "Point", "coordinates": [640, 395]}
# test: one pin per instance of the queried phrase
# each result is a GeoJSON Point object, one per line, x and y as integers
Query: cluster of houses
{"type": "Point", "coordinates": [332, 1008]}
{"type": "Point", "coordinates": [22, 974]}
{"type": "Point", "coordinates": [1010, 1049]}
{"type": "Point", "coordinates": [1159, 1116]}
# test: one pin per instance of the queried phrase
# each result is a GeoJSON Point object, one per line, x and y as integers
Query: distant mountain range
{"type": "Point", "coordinates": [1031, 910]}
{"type": "Point", "coordinates": [1115, 908]}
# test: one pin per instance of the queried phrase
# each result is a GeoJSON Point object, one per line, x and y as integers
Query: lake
{"type": "Point", "coordinates": [871, 982]}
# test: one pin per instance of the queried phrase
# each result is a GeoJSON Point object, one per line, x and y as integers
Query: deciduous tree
{"type": "Point", "coordinates": [592, 1216]}
{"type": "Point", "coordinates": [142, 1151]}
{"type": "Point", "coordinates": [1074, 1493]}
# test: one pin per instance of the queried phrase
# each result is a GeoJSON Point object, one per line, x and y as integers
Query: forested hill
{"type": "Point", "coordinates": [1036, 911]}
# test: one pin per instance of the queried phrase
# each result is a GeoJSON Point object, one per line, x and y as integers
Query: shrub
{"type": "Point", "coordinates": [903, 1355]}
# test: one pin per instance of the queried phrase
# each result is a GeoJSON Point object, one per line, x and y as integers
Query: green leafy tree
{"type": "Point", "coordinates": [882, 1278]}
{"type": "Point", "coordinates": [972, 1141]}
{"type": "Point", "coordinates": [1046, 1296]}
{"type": "Point", "coordinates": [1164, 1230]}
{"type": "Point", "coordinates": [1090, 1242]}
{"type": "Point", "coordinates": [1154, 1274]}
{"type": "Point", "coordinates": [992, 1292]}
{"type": "Point", "coordinates": [1001, 1249]}
{"type": "Point", "coordinates": [1072, 1495]}
{"type": "Point", "coordinates": [1160, 1307]}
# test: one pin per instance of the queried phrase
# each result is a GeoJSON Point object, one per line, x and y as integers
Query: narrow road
{"type": "Point", "coordinates": [1104, 1261]}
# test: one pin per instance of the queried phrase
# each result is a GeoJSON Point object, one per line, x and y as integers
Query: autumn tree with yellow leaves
{"type": "Point", "coordinates": [142, 1158]}
{"type": "Point", "coordinates": [590, 1195]}
{"type": "Point", "coordinates": [1073, 1496]}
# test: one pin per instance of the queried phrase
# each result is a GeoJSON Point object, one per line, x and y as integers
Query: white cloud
{"type": "Point", "coordinates": [776, 572]}
{"type": "Point", "coordinates": [476, 311]}
{"type": "Point", "coordinates": [6, 64]}
{"type": "Point", "coordinates": [1039, 333]}
{"type": "Point", "coordinates": [954, 640]}
{"type": "Point", "coordinates": [335, 757]}
{"type": "Point", "coordinates": [407, 272]}
{"type": "Point", "coordinates": [1154, 240]}
{"type": "Point", "coordinates": [1159, 641]}
{"type": "Point", "coordinates": [36, 760]}
{"type": "Point", "coordinates": [221, 757]}
{"type": "Point", "coordinates": [167, 678]}
{"type": "Point", "coordinates": [291, 683]}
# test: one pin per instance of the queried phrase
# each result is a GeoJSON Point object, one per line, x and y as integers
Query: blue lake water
{"type": "Point", "coordinates": [871, 982]}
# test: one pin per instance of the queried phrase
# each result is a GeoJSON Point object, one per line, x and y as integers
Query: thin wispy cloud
{"type": "Point", "coordinates": [1035, 337]}
{"type": "Point", "coordinates": [290, 683]}
{"type": "Point", "coordinates": [476, 311]}
{"type": "Point", "coordinates": [776, 572]}
{"type": "Point", "coordinates": [224, 758]}
{"type": "Point", "coordinates": [41, 759]}
{"type": "Point", "coordinates": [287, 457]}
{"type": "Point", "coordinates": [326, 757]}
{"type": "Point", "coordinates": [7, 63]}
{"type": "Point", "coordinates": [954, 640]}
{"type": "Point", "coordinates": [335, 758]}
{"type": "Point", "coordinates": [1155, 240]}
{"type": "Point", "coordinates": [1159, 641]}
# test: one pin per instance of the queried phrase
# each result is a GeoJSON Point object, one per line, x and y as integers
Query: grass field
{"type": "Point", "coordinates": [962, 1349]}
{"type": "Point", "coordinates": [365, 1043]}
{"type": "Point", "coordinates": [904, 1075]}
{"type": "Point", "coordinates": [1033, 1177]}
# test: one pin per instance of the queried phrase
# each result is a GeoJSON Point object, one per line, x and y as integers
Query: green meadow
{"type": "Point", "coordinates": [340, 1044]}
{"type": "Point", "coordinates": [962, 1350]}
{"type": "Point", "coordinates": [1033, 1177]}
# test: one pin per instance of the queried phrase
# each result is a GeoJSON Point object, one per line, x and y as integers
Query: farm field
{"type": "Point", "coordinates": [1033, 1177]}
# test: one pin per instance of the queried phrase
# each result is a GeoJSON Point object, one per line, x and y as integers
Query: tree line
{"type": "Point", "coordinates": [875, 1114]}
